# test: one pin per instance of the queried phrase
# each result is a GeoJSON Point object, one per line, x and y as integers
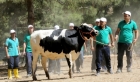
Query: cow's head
{"type": "Point", "coordinates": [86, 31]}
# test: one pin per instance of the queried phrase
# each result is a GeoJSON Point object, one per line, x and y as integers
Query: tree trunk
{"type": "Point", "coordinates": [30, 10]}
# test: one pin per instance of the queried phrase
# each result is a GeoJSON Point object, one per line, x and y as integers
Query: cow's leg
{"type": "Point", "coordinates": [34, 65]}
{"type": "Point", "coordinates": [70, 64]}
{"type": "Point", "coordinates": [43, 61]}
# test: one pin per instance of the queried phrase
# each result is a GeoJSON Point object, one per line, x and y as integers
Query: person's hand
{"type": "Point", "coordinates": [92, 48]}
{"type": "Point", "coordinates": [112, 44]}
{"type": "Point", "coordinates": [7, 56]}
{"type": "Point", "coordinates": [115, 38]}
{"type": "Point", "coordinates": [24, 53]}
{"type": "Point", "coordinates": [134, 41]}
{"type": "Point", "coordinates": [19, 53]}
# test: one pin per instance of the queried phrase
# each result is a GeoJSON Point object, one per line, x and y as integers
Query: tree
{"type": "Point", "coordinates": [30, 11]}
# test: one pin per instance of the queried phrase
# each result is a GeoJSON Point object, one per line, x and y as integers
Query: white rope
{"type": "Point", "coordinates": [99, 42]}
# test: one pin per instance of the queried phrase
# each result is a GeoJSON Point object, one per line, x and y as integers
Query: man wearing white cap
{"type": "Point", "coordinates": [102, 45]}
{"type": "Point", "coordinates": [93, 44]}
{"type": "Point", "coordinates": [27, 50]}
{"type": "Point", "coordinates": [125, 31]}
{"type": "Point", "coordinates": [54, 65]}
{"type": "Point", "coordinates": [12, 53]}
{"type": "Point", "coordinates": [56, 27]}
{"type": "Point", "coordinates": [71, 25]}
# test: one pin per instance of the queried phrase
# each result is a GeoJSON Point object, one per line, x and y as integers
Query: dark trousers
{"type": "Point", "coordinates": [13, 62]}
{"type": "Point", "coordinates": [102, 50]}
{"type": "Point", "coordinates": [29, 58]}
{"type": "Point", "coordinates": [122, 47]}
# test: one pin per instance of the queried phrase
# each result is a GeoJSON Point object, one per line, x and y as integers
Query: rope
{"type": "Point", "coordinates": [99, 42]}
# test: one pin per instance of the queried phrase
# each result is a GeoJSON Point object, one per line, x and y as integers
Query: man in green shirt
{"type": "Point", "coordinates": [125, 31]}
{"type": "Point", "coordinates": [93, 44]}
{"type": "Point", "coordinates": [102, 48]}
{"type": "Point", "coordinates": [12, 54]}
{"type": "Point", "coordinates": [27, 50]}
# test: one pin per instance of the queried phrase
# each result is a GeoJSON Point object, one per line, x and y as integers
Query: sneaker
{"type": "Point", "coordinates": [103, 70]}
{"type": "Point", "coordinates": [97, 73]}
{"type": "Point", "coordinates": [129, 69]}
{"type": "Point", "coordinates": [29, 75]}
{"type": "Point", "coordinates": [118, 70]}
{"type": "Point", "coordinates": [110, 71]}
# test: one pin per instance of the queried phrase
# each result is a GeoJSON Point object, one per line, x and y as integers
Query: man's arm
{"type": "Point", "coordinates": [85, 47]}
{"type": "Point", "coordinates": [117, 33]}
{"type": "Point", "coordinates": [112, 40]}
{"type": "Point", "coordinates": [6, 51]}
{"type": "Point", "coordinates": [91, 44]}
{"type": "Point", "coordinates": [19, 50]}
{"type": "Point", "coordinates": [136, 36]}
{"type": "Point", "coordinates": [24, 47]}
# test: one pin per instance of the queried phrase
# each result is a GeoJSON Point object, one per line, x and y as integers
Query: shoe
{"type": "Point", "coordinates": [110, 71]}
{"type": "Point", "coordinates": [103, 70]}
{"type": "Point", "coordinates": [119, 70]}
{"type": "Point", "coordinates": [97, 73]}
{"type": "Point", "coordinates": [128, 69]}
{"type": "Point", "coordinates": [29, 75]}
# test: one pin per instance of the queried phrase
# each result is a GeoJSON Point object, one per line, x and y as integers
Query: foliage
{"type": "Point", "coordinates": [48, 13]}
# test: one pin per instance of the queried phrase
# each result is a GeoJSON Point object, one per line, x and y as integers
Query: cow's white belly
{"type": "Point", "coordinates": [52, 55]}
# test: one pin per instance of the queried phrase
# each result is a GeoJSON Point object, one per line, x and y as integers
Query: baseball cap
{"type": "Point", "coordinates": [71, 24]}
{"type": "Point", "coordinates": [12, 31]}
{"type": "Point", "coordinates": [127, 12]}
{"type": "Point", "coordinates": [56, 27]}
{"type": "Point", "coordinates": [103, 19]}
{"type": "Point", "coordinates": [97, 20]}
{"type": "Point", "coordinates": [30, 26]}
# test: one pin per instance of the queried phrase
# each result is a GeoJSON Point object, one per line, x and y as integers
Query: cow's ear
{"type": "Point", "coordinates": [77, 28]}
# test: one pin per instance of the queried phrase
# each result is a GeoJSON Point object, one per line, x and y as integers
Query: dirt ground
{"type": "Point", "coordinates": [84, 76]}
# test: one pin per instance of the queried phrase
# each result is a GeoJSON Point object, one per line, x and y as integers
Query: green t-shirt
{"type": "Point", "coordinates": [12, 46]}
{"type": "Point", "coordinates": [126, 31]}
{"type": "Point", "coordinates": [103, 36]}
{"type": "Point", "coordinates": [27, 41]}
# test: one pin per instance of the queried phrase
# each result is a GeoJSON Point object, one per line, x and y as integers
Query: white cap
{"type": "Point", "coordinates": [56, 27]}
{"type": "Point", "coordinates": [127, 12]}
{"type": "Point", "coordinates": [12, 31]}
{"type": "Point", "coordinates": [30, 26]}
{"type": "Point", "coordinates": [71, 24]}
{"type": "Point", "coordinates": [97, 20]}
{"type": "Point", "coordinates": [103, 19]}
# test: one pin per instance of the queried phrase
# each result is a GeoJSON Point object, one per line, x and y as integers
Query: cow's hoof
{"type": "Point", "coordinates": [70, 75]}
{"type": "Point", "coordinates": [34, 79]}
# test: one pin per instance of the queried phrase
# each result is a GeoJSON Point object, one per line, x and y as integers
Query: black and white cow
{"type": "Point", "coordinates": [60, 43]}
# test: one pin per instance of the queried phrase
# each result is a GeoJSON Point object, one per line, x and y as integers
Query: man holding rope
{"type": "Point", "coordinates": [102, 45]}
{"type": "Point", "coordinates": [93, 44]}
{"type": "Point", "coordinates": [125, 32]}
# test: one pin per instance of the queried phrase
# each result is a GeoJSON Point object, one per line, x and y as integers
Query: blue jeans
{"type": "Point", "coordinates": [122, 47]}
{"type": "Point", "coordinates": [100, 52]}
{"type": "Point", "coordinates": [79, 60]}
{"type": "Point", "coordinates": [13, 62]}
{"type": "Point", "coordinates": [29, 58]}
